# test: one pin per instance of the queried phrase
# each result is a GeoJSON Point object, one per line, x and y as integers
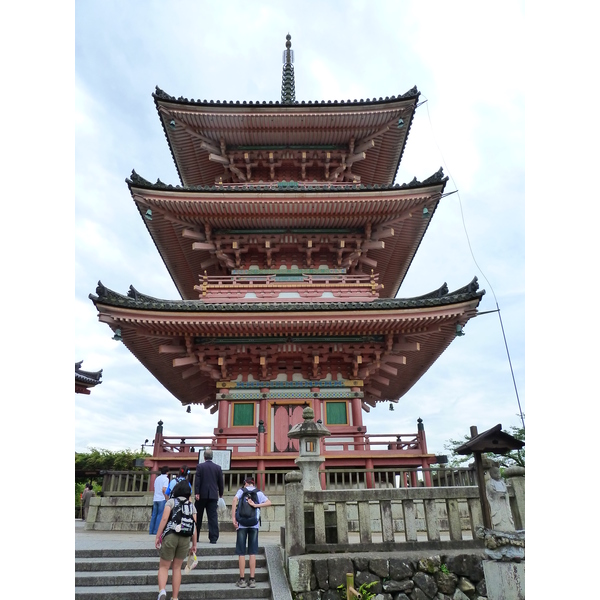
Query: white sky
{"type": "Point", "coordinates": [472, 124]}
{"type": "Point", "coordinates": [470, 60]}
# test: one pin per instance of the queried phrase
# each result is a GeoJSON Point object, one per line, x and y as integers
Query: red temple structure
{"type": "Point", "coordinates": [288, 241]}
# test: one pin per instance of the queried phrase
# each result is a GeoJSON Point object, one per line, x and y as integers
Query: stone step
{"type": "Point", "coordinates": [202, 550]}
{"type": "Point", "coordinates": [191, 591]}
{"type": "Point", "coordinates": [131, 574]}
{"type": "Point", "coordinates": [149, 577]}
{"type": "Point", "coordinates": [139, 563]}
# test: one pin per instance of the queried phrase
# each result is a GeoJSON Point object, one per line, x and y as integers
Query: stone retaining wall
{"type": "Point", "coordinates": [132, 513]}
{"type": "Point", "coordinates": [396, 577]}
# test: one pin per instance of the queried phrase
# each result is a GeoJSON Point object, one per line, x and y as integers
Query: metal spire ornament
{"type": "Point", "coordinates": [288, 86]}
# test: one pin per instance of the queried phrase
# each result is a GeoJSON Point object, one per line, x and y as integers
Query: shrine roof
{"type": "Point", "coordinates": [198, 131]}
{"type": "Point", "coordinates": [493, 440]}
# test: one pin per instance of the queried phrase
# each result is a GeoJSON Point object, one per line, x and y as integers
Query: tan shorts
{"type": "Point", "coordinates": [175, 546]}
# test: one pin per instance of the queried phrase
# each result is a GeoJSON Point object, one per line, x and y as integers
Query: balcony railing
{"type": "Point", "coordinates": [243, 444]}
{"type": "Point", "coordinates": [288, 286]}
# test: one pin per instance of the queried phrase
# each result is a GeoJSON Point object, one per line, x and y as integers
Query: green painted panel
{"type": "Point", "coordinates": [336, 413]}
{"type": "Point", "coordinates": [243, 414]}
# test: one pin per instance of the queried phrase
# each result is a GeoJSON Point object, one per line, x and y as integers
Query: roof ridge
{"type": "Point", "coordinates": [285, 186]}
{"type": "Point", "coordinates": [135, 299]}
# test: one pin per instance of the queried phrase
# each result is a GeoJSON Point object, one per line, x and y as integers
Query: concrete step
{"type": "Point", "coordinates": [189, 591]}
{"type": "Point", "coordinates": [140, 563]}
{"type": "Point", "coordinates": [148, 577]}
{"type": "Point", "coordinates": [131, 574]}
{"type": "Point", "coordinates": [202, 550]}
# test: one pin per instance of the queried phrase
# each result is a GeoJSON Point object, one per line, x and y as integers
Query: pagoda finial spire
{"type": "Point", "coordinates": [288, 86]}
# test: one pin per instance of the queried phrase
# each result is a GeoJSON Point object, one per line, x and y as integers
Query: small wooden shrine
{"type": "Point", "coordinates": [288, 241]}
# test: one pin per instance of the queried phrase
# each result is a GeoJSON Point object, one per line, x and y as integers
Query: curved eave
{"type": "Point", "coordinates": [90, 378]}
{"type": "Point", "coordinates": [274, 124]}
{"type": "Point", "coordinates": [175, 209]}
{"type": "Point", "coordinates": [147, 323]}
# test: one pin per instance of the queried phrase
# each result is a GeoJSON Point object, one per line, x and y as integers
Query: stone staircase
{"type": "Point", "coordinates": [120, 574]}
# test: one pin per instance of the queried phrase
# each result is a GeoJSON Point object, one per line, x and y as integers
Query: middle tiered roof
{"type": "Point", "coordinates": [354, 227]}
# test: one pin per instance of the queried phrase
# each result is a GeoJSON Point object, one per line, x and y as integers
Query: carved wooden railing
{"type": "Point", "coordinates": [343, 442]}
{"type": "Point", "coordinates": [307, 286]}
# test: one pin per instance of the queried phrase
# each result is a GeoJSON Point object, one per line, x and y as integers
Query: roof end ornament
{"type": "Point", "coordinates": [288, 85]}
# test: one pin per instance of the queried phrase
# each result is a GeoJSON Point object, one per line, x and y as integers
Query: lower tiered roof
{"type": "Point", "coordinates": [399, 339]}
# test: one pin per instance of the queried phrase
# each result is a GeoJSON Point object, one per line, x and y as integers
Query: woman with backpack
{"type": "Point", "coordinates": [250, 500]}
{"type": "Point", "coordinates": [175, 531]}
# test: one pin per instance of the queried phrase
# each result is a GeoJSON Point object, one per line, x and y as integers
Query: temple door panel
{"type": "Point", "coordinates": [285, 416]}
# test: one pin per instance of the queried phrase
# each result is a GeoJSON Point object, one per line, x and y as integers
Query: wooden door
{"type": "Point", "coordinates": [284, 417]}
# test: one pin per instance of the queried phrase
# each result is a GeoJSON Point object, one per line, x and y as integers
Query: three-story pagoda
{"type": "Point", "coordinates": [288, 241]}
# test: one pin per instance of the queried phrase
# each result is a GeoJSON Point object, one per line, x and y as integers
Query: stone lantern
{"type": "Point", "coordinates": [309, 460]}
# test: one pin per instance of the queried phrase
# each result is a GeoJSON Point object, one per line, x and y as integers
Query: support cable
{"type": "Point", "coordinates": [480, 270]}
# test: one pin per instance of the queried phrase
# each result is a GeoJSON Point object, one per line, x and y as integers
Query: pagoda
{"type": "Point", "coordinates": [288, 241]}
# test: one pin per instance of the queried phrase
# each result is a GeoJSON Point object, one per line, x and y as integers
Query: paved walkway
{"type": "Point", "coordinates": [115, 540]}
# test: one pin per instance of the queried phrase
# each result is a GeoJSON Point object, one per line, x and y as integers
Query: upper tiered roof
{"type": "Point", "coordinates": [322, 141]}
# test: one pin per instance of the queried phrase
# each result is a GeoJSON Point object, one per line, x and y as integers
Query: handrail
{"type": "Point", "coordinates": [355, 441]}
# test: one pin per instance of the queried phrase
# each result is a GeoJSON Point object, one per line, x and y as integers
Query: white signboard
{"type": "Point", "coordinates": [220, 457]}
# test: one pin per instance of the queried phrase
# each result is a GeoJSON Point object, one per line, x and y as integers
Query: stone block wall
{"type": "Point", "coordinates": [132, 513]}
{"type": "Point", "coordinates": [396, 577]}
{"type": "Point", "coordinates": [120, 513]}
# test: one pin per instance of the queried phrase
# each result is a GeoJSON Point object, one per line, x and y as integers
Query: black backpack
{"type": "Point", "coordinates": [246, 515]}
{"type": "Point", "coordinates": [181, 519]}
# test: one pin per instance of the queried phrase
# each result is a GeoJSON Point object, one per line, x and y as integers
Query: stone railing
{"type": "Point", "coordinates": [385, 519]}
{"type": "Point", "coordinates": [272, 481]}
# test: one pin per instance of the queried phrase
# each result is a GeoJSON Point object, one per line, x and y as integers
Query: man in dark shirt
{"type": "Point", "coordinates": [208, 488]}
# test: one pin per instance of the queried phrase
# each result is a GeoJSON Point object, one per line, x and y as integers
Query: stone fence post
{"type": "Point", "coordinates": [515, 478]}
{"type": "Point", "coordinates": [295, 539]}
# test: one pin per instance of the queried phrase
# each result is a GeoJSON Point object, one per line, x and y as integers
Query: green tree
{"type": "Point", "coordinates": [89, 464]}
{"type": "Point", "coordinates": [89, 467]}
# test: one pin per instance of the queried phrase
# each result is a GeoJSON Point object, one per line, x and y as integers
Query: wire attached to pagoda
{"type": "Point", "coordinates": [480, 270]}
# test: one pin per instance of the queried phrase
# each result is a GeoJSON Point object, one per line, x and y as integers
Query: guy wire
{"type": "Point", "coordinates": [477, 265]}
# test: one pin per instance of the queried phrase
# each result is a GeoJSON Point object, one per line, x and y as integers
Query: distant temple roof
{"type": "Point", "coordinates": [84, 380]}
